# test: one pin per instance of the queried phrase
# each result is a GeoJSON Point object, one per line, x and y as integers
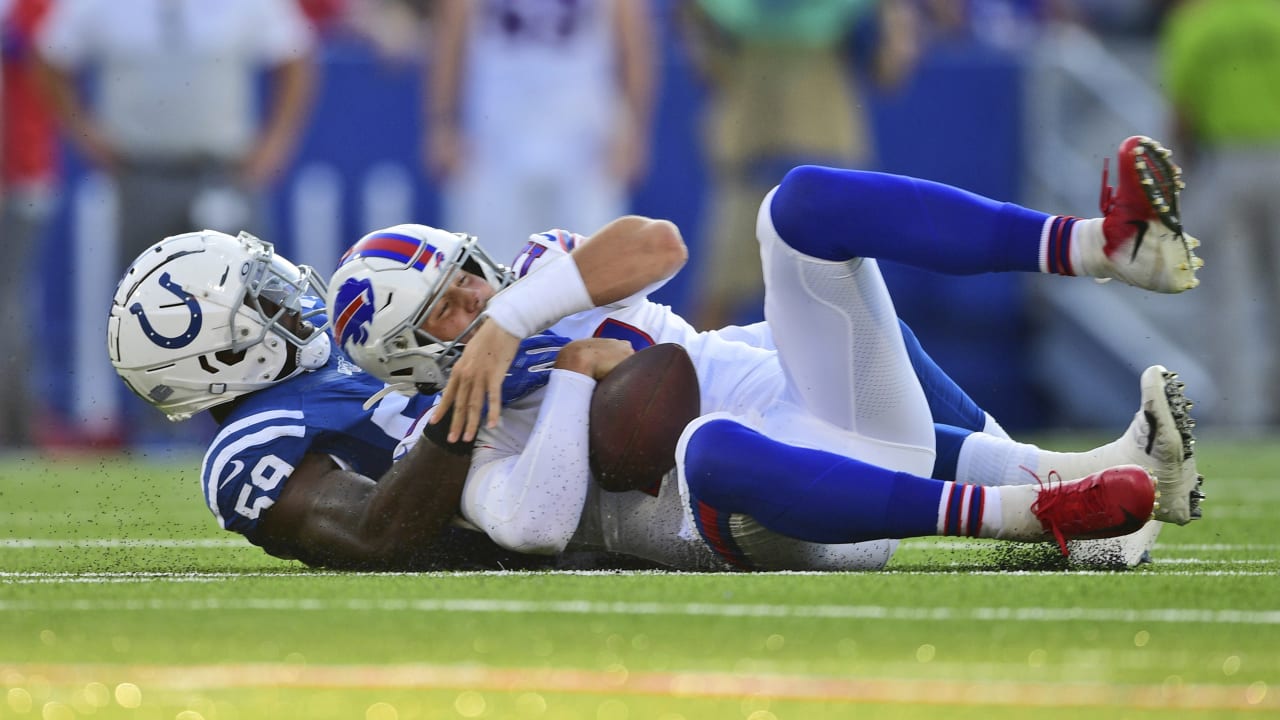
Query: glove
{"type": "Point", "coordinates": [532, 365]}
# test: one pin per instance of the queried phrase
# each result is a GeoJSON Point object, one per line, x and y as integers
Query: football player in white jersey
{"type": "Point", "coordinates": [823, 424]}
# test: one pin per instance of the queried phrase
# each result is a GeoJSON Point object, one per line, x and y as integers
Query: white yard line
{"type": "Point", "coordinates": [619, 681]}
{"type": "Point", "coordinates": [238, 542]}
{"type": "Point", "coordinates": [588, 607]}
{"type": "Point", "coordinates": [40, 543]}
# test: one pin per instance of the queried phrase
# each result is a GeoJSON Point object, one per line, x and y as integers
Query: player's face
{"type": "Point", "coordinates": [458, 306]}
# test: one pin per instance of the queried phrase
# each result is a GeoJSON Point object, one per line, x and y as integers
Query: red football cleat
{"type": "Point", "coordinates": [1144, 243]}
{"type": "Point", "coordinates": [1111, 503]}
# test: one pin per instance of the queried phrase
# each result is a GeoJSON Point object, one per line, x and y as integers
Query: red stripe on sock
{"type": "Point", "coordinates": [1067, 225]}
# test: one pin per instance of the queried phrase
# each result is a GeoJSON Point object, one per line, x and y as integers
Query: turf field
{"type": "Point", "coordinates": [119, 598]}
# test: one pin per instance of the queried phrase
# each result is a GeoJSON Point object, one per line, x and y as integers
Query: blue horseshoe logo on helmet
{"type": "Point", "coordinates": [193, 328]}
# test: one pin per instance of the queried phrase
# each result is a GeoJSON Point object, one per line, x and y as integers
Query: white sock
{"type": "Point", "coordinates": [1005, 512]}
{"type": "Point", "coordinates": [1087, 242]}
{"type": "Point", "coordinates": [988, 460]}
{"type": "Point", "coordinates": [1016, 521]}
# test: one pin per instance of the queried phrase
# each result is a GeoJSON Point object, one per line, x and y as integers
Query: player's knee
{"type": "Point", "coordinates": [799, 211]}
{"type": "Point", "coordinates": [711, 453]}
{"type": "Point", "coordinates": [721, 461]}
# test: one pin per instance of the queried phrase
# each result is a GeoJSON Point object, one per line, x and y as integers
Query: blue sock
{"type": "Point", "coordinates": [841, 214]}
{"type": "Point", "coordinates": [947, 439]}
{"type": "Point", "coordinates": [948, 402]}
{"type": "Point", "coordinates": [806, 494]}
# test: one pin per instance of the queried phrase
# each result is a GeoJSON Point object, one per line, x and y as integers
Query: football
{"type": "Point", "coordinates": [637, 414]}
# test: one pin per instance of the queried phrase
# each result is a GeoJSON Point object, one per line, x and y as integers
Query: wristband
{"type": "Point", "coordinates": [541, 299]}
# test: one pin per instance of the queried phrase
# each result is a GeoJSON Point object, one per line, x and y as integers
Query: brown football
{"type": "Point", "coordinates": [637, 414]}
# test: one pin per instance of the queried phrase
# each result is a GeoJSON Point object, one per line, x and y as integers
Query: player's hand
{"type": "Point", "coordinates": [594, 357]}
{"type": "Point", "coordinates": [442, 151]}
{"type": "Point", "coordinates": [266, 162]}
{"type": "Point", "coordinates": [476, 378]}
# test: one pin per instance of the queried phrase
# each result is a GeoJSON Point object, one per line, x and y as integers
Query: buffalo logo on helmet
{"type": "Point", "coordinates": [354, 311]}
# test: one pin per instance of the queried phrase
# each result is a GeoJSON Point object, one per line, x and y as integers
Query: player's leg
{"type": "Point", "coordinates": [1159, 438]}
{"type": "Point", "coordinates": [948, 402]}
{"type": "Point", "coordinates": [842, 352]}
{"type": "Point", "coordinates": [839, 214]}
{"type": "Point", "coordinates": [823, 497]}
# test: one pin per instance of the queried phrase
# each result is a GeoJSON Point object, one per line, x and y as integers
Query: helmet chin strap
{"type": "Point", "coordinates": [315, 354]}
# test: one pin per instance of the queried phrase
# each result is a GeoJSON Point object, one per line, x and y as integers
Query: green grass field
{"type": "Point", "coordinates": [120, 598]}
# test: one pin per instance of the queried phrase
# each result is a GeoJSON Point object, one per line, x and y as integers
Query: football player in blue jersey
{"type": "Point", "coordinates": [856, 375]}
{"type": "Point", "coordinates": [300, 465]}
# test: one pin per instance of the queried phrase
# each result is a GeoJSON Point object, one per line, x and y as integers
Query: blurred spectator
{"type": "Point", "coordinates": [27, 185]}
{"type": "Point", "coordinates": [539, 114]}
{"type": "Point", "coordinates": [1221, 71]}
{"type": "Point", "coordinates": [1008, 24]}
{"type": "Point", "coordinates": [783, 92]}
{"type": "Point", "coordinates": [326, 16]}
{"type": "Point", "coordinates": [395, 27]}
{"type": "Point", "coordinates": [175, 119]}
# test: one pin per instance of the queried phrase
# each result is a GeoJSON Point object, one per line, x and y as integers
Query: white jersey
{"type": "Point", "coordinates": [530, 487]}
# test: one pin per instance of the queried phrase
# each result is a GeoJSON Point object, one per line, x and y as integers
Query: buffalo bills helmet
{"type": "Point", "coordinates": [386, 286]}
{"type": "Point", "coordinates": [202, 318]}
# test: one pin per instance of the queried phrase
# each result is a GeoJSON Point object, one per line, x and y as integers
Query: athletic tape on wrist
{"type": "Point", "coordinates": [438, 433]}
{"type": "Point", "coordinates": [541, 299]}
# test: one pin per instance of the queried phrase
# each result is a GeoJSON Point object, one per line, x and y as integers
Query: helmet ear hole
{"type": "Point", "coordinates": [230, 357]}
{"type": "Point", "coordinates": [225, 358]}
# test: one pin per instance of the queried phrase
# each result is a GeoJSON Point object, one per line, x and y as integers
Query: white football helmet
{"type": "Point", "coordinates": [387, 284]}
{"type": "Point", "coordinates": [202, 318]}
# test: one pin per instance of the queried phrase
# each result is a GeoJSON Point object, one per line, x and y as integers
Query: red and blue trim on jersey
{"type": "Point", "coordinates": [565, 239]}
{"type": "Point", "coordinates": [538, 246]}
{"type": "Point", "coordinates": [963, 514]}
{"type": "Point", "coordinates": [714, 527]}
{"type": "Point", "coordinates": [1058, 247]}
{"type": "Point", "coordinates": [618, 330]}
{"type": "Point", "coordinates": [406, 249]}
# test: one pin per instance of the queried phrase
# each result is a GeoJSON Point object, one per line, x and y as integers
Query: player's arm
{"type": "Point", "coordinates": [532, 502]}
{"type": "Point", "coordinates": [624, 257]}
{"type": "Point", "coordinates": [329, 517]}
{"type": "Point", "coordinates": [633, 29]}
{"type": "Point", "coordinates": [77, 121]}
{"type": "Point", "coordinates": [442, 145]}
{"type": "Point", "coordinates": [293, 86]}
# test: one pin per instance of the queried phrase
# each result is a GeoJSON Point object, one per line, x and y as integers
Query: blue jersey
{"type": "Point", "coordinates": [268, 432]}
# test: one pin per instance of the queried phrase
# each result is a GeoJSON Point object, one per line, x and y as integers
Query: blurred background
{"type": "Point", "coordinates": [312, 122]}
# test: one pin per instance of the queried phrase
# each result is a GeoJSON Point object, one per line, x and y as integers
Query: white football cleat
{"type": "Point", "coordinates": [1160, 439]}
{"type": "Point", "coordinates": [1144, 245]}
{"type": "Point", "coordinates": [1120, 553]}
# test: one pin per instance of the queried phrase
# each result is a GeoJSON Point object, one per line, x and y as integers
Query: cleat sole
{"type": "Point", "coordinates": [1180, 409]}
